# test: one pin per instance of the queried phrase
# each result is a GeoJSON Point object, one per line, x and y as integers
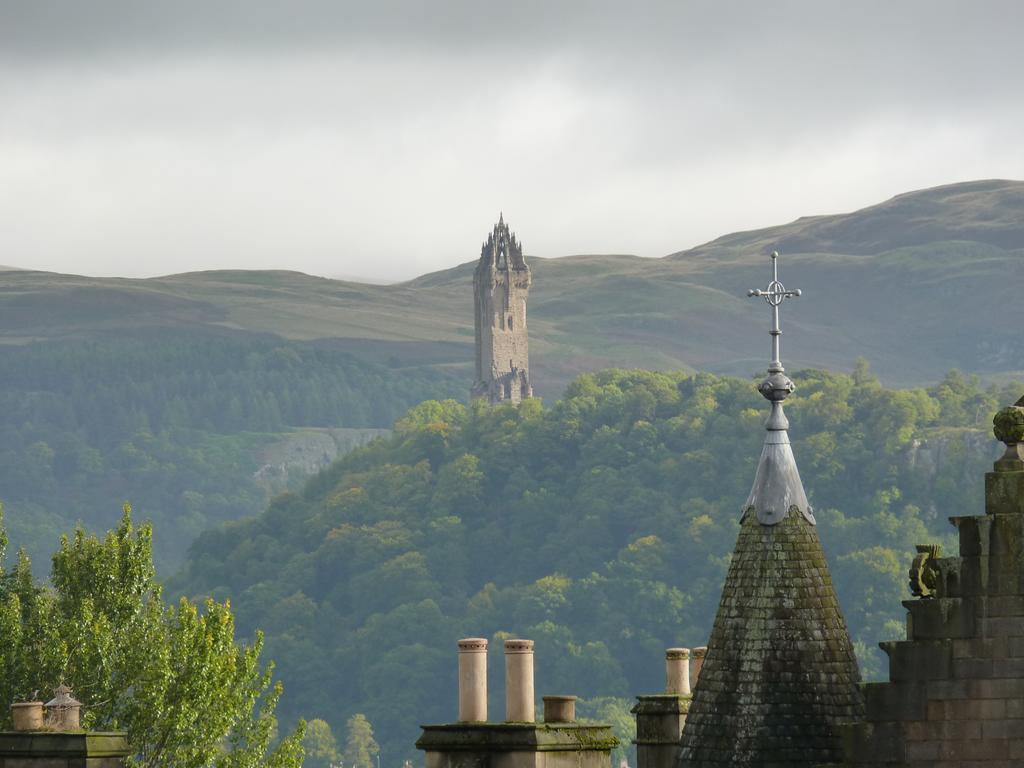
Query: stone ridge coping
{"type": "Point", "coordinates": [51, 744]}
{"type": "Point", "coordinates": [662, 704]}
{"type": "Point", "coordinates": [517, 737]}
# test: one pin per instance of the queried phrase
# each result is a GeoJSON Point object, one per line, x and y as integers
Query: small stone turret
{"type": "Point", "coordinates": [780, 675]}
{"type": "Point", "coordinates": [501, 286]}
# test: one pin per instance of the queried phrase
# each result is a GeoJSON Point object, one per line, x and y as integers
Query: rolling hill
{"type": "Point", "coordinates": [170, 392]}
{"type": "Point", "coordinates": [917, 285]}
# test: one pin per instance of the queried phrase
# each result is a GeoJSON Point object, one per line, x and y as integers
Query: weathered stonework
{"type": "Point", "coordinates": [780, 675]}
{"type": "Point", "coordinates": [659, 724]}
{"type": "Point", "coordinates": [63, 750]}
{"type": "Point", "coordinates": [501, 286]}
{"type": "Point", "coordinates": [955, 695]}
{"type": "Point", "coordinates": [517, 745]}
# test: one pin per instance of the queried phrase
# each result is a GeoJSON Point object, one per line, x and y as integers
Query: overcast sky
{"type": "Point", "coordinates": [382, 139]}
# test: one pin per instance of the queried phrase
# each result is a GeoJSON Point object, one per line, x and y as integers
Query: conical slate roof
{"type": "Point", "coordinates": [780, 673]}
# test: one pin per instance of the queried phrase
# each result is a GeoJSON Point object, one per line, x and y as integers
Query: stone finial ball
{"type": "Point", "coordinates": [1009, 424]}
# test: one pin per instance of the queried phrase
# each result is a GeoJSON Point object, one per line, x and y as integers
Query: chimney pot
{"type": "Point", "coordinates": [698, 662]}
{"type": "Point", "coordinates": [27, 715]}
{"type": "Point", "coordinates": [63, 711]}
{"type": "Point", "coordinates": [519, 696]}
{"type": "Point", "coordinates": [677, 671]}
{"type": "Point", "coordinates": [473, 680]}
{"type": "Point", "coordinates": [559, 709]}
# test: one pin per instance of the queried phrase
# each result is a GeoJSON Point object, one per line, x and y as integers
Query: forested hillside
{"type": "Point", "coordinates": [172, 422]}
{"type": "Point", "coordinates": [600, 527]}
{"type": "Point", "coordinates": [170, 391]}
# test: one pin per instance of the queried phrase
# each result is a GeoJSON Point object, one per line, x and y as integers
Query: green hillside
{"type": "Point", "coordinates": [93, 377]}
{"type": "Point", "coordinates": [882, 283]}
{"type": "Point", "coordinates": [600, 527]}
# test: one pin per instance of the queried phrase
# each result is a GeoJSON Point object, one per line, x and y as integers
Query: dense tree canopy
{"type": "Point", "coordinates": [172, 422]}
{"type": "Point", "coordinates": [600, 527]}
{"type": "Point", "coordinates": [174, 677]}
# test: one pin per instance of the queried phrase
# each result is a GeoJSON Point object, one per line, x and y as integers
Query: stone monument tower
{"type": "Point", "coordinates": [501, 284]}
{"type": "Point", "coordinates": [780, 676]}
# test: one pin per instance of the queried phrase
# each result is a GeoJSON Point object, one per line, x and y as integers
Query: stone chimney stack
{"type": "Point", "coordinates": [660, 717]}
{"type": "Point", "coordinates": [57, 740]}
{"type": "Point", "coordinates": [519, 742]}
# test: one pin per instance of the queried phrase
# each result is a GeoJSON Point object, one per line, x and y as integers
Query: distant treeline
{"type": "Point", "coordinates": [171, 422]}
{"type": "Point", "coordinates": [600, 527]}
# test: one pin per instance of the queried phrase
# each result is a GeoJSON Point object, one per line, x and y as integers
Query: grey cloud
{"type": "Point", "coordinates": [231, 133]}
{"type": "Point", "coordinates": [607, 27]}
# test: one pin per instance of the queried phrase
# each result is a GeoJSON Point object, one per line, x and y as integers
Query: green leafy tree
{"type": "Point", "coordinates": [320, 745]}
{"type": "Point", "coordinates": [360, 746]}
{"type": "Point", "coordinates": [174, 677]}
{"type": "Point", "coordinates": [616, 713]}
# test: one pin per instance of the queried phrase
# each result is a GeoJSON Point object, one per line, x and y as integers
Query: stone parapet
{"type": "Point", "coordinates": [42, 749]}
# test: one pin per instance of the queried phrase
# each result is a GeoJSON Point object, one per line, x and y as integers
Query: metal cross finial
{"type": "Point", "coordinates": [774, 295]}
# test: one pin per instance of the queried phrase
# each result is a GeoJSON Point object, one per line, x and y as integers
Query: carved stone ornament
{"type": "Point", "coordinates": [1008, 426]}
{"type": "Point", "coordinates": [924, 576]}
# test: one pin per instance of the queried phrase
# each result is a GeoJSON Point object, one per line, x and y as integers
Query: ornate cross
{"type": "Point", "coordinates": [775, 294]}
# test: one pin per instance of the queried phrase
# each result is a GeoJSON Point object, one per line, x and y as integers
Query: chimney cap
{"type": "Point", "coordinates": [473, 644]}
{"type": "Point", "coordinates": [519, 646]}
{"type": "Point", "coordinates": [63, 698]}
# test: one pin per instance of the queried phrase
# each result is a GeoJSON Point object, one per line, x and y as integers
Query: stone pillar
{"type": "Point", "coordinates": [698, 662]}
{"type": "Point", "coordinates": [677, 671]}
{"type": "Point", "coordinates": [559, 709]}
{"type": "Point", "coordinates": [519, 706]}
{"type": "Point", "coordinates": [473, 680]}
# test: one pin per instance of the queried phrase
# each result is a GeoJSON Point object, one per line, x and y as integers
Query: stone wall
{"type": "Point", "coordinates": [63, 750]}
{"type": "Point", "coordinates": [955, 695]}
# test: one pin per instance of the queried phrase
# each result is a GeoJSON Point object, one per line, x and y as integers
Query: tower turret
{"type": "Point", "coordinates": [501, 286]}
{"type": "Point", "coordinates": [780, 674]}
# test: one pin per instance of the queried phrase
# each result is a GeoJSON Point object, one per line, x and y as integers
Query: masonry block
{"type": "Point", "coordinates": [919, 660]}
{"type": "Point", "coordinates": [1004, 493]}
{"type": "Point", "coordinates": [939, 618]}
{"type": "Point", "coordinates": [895, 701]}
{"type": "Point", "coordinates": [39, 749]}
{"type": "Point", "coordinates": [517, 745]}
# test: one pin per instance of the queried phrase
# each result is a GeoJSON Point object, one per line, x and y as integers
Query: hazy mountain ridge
{"type": "Point", "coordinates": [878, 283]}
{"type": "Point", "coordinates": [986, 212]}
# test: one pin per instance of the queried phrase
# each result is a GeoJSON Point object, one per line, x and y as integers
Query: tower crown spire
{"type": "Point", "coordinates": [777, 485]}
{"type": "Point", "coordinates": [780, 677]}
{"type": "Point", "coordinates": [501, 287]}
